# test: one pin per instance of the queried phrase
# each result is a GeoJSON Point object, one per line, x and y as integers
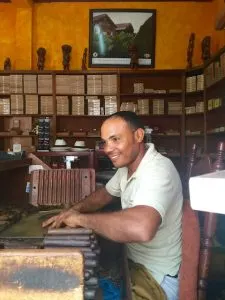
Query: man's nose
{"type": "Point", "coordinates": [108, 147]}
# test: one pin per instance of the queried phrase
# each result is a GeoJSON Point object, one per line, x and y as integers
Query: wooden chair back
{"type": "Point", "coordinates": [209, 231]}
{"type": "Point", "coordinates": [195, 262]}
{"type": "Point", "coordinates": [61, 187]}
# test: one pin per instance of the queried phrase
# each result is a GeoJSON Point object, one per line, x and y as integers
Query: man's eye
{"type": "Point", "coordinates": [115, 139]}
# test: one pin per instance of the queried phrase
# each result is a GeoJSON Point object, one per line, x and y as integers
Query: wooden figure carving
{"type": "Point", "coordinates": [66, 56]}
{"type": "Point", "coordinates": [190, 50]}
{"type": "Point", "coordinates": [41, 52]}
{"type": "Point", "coordinates": [133, 53]}
{"type": "Point", "coordinates": [84, 60]}
{"type": "Point", "coordinates": [206, 51]}
{"type": "Point", "coordinates": [7, 64]}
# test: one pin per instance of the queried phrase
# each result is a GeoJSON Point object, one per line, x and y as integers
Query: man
{"type": "Point", "coordinates": [151, 198]}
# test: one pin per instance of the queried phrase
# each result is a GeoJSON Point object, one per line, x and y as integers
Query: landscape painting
{"type": "Point", "coordinates": [114, 31]}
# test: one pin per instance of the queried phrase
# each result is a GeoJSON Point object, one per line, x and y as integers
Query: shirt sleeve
{"type": "Point", "coordinates": [113, 185]}
{"type": "Point", "coordinates": [155, 190]}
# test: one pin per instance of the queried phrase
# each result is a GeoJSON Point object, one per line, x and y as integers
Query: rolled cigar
{"type": "Point", "coordinates": [91, 281]}
{"type": "Point", "coordinates": [97, 251]}
{"type": "Point", "coordinates": [88, 274]}
{"type": "Point", "coordinates": [66, 243]}
{"type": "Point", "coordinates": [90, 263]}
{"type": "Point", "coordinates": [61, 231]}
{"type": "Point", "coordinates": [89, 294]}
{"type": "Point", "coordinates": [93, 244]}
{"type": "Point", "coordinates": [78, 237]}
{"type": "Point", "coordinates": [90, 271]}
{"type": "Point", "coordinates": [90, 255]}
{"type": "Point", "coordinates": [93, 237]}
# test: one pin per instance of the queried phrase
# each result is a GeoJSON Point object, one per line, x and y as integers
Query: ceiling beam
{"type": "Point", "coordinates": [70, 1]}
{"type": "Point", "coordinates": [22, 3]}
{"type": "Point", "coordinates": [220, 20]}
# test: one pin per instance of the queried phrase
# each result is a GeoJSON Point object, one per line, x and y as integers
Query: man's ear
{"type": "Point", "coordinates": [139, 135]}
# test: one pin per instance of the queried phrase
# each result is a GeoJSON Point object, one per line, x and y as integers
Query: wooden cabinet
{"type": "Point", "coordinates": [24, 97]}
{"type": "Point", "coordinates": [177, 104]}
{"type": "Point", "coordinates": [194, 109]}
{"type": "Point", "coordinates": [215, 100]}
{"type": "Point", "coordinates": [158, 97]}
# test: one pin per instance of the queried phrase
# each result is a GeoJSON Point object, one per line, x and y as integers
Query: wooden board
{"type": "Point", "coordinates": [49, 274]}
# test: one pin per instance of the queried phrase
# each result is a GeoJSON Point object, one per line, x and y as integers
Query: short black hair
{"type": "Point", "coordinates": [130, 117]}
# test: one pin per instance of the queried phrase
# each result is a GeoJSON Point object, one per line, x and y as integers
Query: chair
{"type": "Point", "coordinates": [58, 187]}
{"type": "Point", "coordinates": [195, 263]}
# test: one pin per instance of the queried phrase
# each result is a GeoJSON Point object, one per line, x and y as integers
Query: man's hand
{"type": "Point", "coordinates": [69, 218]}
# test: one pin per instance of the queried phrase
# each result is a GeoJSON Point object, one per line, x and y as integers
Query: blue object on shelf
{"type": "Point", "coordinates": [109, 290]}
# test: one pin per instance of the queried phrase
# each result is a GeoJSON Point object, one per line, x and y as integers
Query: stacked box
{"type": "Point", "coordinates": [17, 104]}
{"type": "Point", "coordinates": [31, 104]}
{"type": "Point", "coordinates": [191, 84]}
{"type": "Point", "coordinates": [4, 106]}
{"type": "Point", "coordinates": [139, 88]}
{"type": "Point", "coordinates": [109, 84]}
{"type": "Point", "coordinates": [44, 84]}
{"type": "Point", "coordinates": [93, 106]}
{"type": "Point", "coordinates": [46, 105]}
{"type": "Point", "coordinates": [62, 105]}
{"type": "Point", "coordinates": [78, 105]}
{"type": "Point", "coordinates": [200, 82]}
{"type": "Point", "coordinates": [69, 84]}
{"type": "Point", "coordinates": [94, 84]}
{"type": "Point", "coordinates": [143, 106]}
{"type": "Point", "coordinates": [4, 85]}
{"type": "Point", "coordinates": [30, 84]}
{"type": "Point", "coordinates": [158, 107]}
{"type": "Point", "coordinates": [110, 105]}
{"type": "Point", "coordinates": [174, 108]}
{"type": "Point", "coordinates": [16, 83]}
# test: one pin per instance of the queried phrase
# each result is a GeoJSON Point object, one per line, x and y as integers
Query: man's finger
{"type": "Point", "coordinates": [49, 221]}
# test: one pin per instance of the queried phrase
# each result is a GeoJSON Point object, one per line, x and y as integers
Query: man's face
{"type": "Point", "coordinates": [120, 142]}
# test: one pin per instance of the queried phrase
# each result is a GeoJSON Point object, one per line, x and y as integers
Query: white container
{"type": "Point", "coordinates": [207, 192]}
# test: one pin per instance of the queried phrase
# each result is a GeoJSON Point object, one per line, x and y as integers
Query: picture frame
{"type": "Point", "coordinates": [114, 33]}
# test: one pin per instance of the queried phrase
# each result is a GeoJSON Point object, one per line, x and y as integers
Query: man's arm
{"type": "Point", "coordinates": [94, 202]}
{"type": "Point", "coordinates": [136, 224]}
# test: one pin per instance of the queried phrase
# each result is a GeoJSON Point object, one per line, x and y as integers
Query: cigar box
{"type": "Point", "coordinates": [50, 274]}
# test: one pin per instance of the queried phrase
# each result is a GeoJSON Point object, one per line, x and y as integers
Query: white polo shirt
{"type": "Point", "coordinates": [155, 183]}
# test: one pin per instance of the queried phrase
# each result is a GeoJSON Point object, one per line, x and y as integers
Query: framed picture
{"type": "Point", "coordinates": [115, 34]}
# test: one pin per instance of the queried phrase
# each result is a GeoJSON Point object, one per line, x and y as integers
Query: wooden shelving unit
{"type": "Point", "coordinates": [172, 102]}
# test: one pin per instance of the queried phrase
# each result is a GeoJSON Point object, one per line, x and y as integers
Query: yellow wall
{"type": "Point", "coordinates": [16, 37]}
{"type": "Point", "coordinates": [51, 25]}
{"type": "Point", "coordinates": [219, 35]}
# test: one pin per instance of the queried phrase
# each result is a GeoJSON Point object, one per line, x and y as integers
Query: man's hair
{"type": "Point", "coordinates": [129, 117]}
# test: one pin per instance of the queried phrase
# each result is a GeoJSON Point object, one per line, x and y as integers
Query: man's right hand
{"type": "Point", "coordinates": [68, 217]}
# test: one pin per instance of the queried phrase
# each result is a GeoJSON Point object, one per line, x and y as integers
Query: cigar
{"type": "Point", "coordinates": [62, 231]}
{"type": "Point", "coordinates": [67, 243]}
{"type": "Point", "coordinates": [89, 294]}
{"type": "Point", "coordinates": [90, 255]}
{"type": "Point", "coordinates": [92, 281]}
{"type": "Point", "coordinates": [78, 237]}
{"type": "Point", "coordinates": [90, 263]}
{"type": "Point", "coordinates": [88, 273]}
